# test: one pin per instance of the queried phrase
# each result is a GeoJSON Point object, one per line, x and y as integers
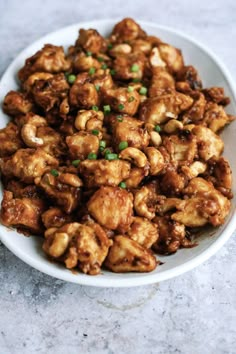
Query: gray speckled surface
{"type": "Point", "coordinates": [192, 314]}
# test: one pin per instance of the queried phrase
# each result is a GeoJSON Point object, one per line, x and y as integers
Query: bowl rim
{"type": "Point", "coordinates": [145, 278]}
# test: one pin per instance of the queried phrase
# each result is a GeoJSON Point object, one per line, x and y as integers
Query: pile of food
{"type": "Point", "coordinates": [112, 152]}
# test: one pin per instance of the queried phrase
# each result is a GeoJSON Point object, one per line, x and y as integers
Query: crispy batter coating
{"type": "Point", "coordinates": [49, 59]}
{"type": "Point", "coordinates": [16, 103]}
{"type": "Point", "coordinates": [27, 164]}
{"type": "Point", "coordinates": [143, 231]}
{"type": "Point", "coordinates": [64, 189]}
{"type": "Point", "coordinates": [171, 236]}
{"type": "Point", "coordinates": [78, 245]}
{"type": "Point", "coordinates": [113, 147]}
{"type": "Point", "coordinates": [97, 173]}
{"type": "Point", "coordinates": [10, 140]}
{"type": "Point", "coordinates": [82, 144]}
{"type": "Point", "coordinates": [120, 100]}
{"type": "Point", "coordinates": [132, 131]}
{"type": "Point", "coordinates": [126, 255]}
{"type": "Point", "coordinates": [22, 212]}
{"type": "Point", "coordinates": [112, 207]}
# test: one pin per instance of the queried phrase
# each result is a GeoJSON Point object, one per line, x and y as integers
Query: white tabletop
{"type": "Point", "coordinates": [192, 314]}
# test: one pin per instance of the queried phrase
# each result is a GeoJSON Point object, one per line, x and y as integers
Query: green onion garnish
{"type": "Point", "coordinates": [134, 68]}
{"type": "Point", "coordinates": [75, 163]}
{"type": "Point", "coordinates": [143, 91]}
{"type": "Point", "coordinates": [92, 156]}
{"type": "Point", "coordinates": [54, 172]}
{"type": "Point", "coordinates": [122, 185]}
{"type": "Point", "coordinates": [123, 145]}
{"type": "Point", "coordinates": [92, 71]}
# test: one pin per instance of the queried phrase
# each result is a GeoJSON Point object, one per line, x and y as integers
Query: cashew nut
{"type": "Point", "coordinates": [155, 58]}
{"type": "Point", "coordinates": [35, 77]}
{"type": "Point", "coordinates": [83, 117]}
{"type": "Point", "coordinates": [196, 168]}
{"type": "Point", "coordinates": [156, 160]}
{"type": "Point", "coordinates": [59, 244]}
{"type": "Point", "coordinates": [134, 155]}
{"type": "Point", "coordinates": [173, 126]}
{"type": "Point", "coordinates": [29, 131]}
{"type": "Point", "coordinates": [155, 138]}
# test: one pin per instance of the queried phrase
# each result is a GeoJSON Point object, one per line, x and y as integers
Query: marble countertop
{"type": "Point", "coordinates": [192, 314]}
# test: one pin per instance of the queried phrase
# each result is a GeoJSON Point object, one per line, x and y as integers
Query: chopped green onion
{"type": "Point", "coordinates": [121, 107]}
{"type": "Point", "coordinates": [95, 132]}
{"type": "Point", "coordinates": [157, 128]}
{"type": "Point", "coordinates": [107, 109]}
{"type": "Point", "coordinates": [143, 90]}
{"type": "Point", "coordinates": [112, 72]}
{"type": "Point", "coordinates": [97, 87]}
{"type": "Point", "coordinates": [131, 99]}
{"type": "Point", "coordinates": [54, 172]}
{"type": "Point", "coordinates": [111, 156]}
{"type": "Point", "coordinates": [109, 46]}
{"type": "Point", "coordinates": [100, 59]}
{"type": "Point", "coordinates": [123, 145]}
{"type": "Point", "coordinates": [95, 108]}
{"type": "Point", "coordinates": [71, 78]}
{"type": "Point", "coordinates": [134, 68]}
{"type": "Point", "coordinates": [89, 54]}
{"type": "Point", "coordinates": [130, 89]}
{"type": "Point", "coordinates": [92, 71]}
{"type": "Point", "coordinates": [75, 163]}
{"type": "Point", "coordinates": [92, 156]}
{"type": "Point", "coordinates": [119, 117]}
{"type": "Point", "coordinates": [136, 79]}
{"type": "Point", "coordinates": [102, 145]}
{"type": "Point", "coordinates": [104, 66]}
{"type": "Point", "coordinates": [122, 185]}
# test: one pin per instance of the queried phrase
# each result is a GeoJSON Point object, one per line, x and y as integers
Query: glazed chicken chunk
{"type": "Point", "coordinates": [112, 207]}
{"type": "Point", "coordinates": [78, 245]}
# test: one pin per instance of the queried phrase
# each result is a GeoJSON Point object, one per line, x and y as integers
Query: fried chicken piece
{"type": "Point", "coordinates": [28, 164]}
{"type": "Point", "coordinates": [162, 82]}
{"type": "Point", "coordinates": [112, 207]}
{"type": "Point", "coordinates": [10, 140]}
{"type": "Point", "coordinates": [181, 148]}
{"type": "Point", "coordinates": [64, 189]}
{"type": "Point", "coordinates": [78, 245]}
{"type": "Point", "coordinates": [196, 112]}
{"type": "Point", "coordinates": [82, 144]}
{"type": "Point", "coordinates": [189, 75]}
{"type": "Point", "coordinates": [143, 231]}
{"type": "Point", "coordinates": [209, 144]}
{"type": "Point", "coordinates": [50, 93]}
{"type": "Point", "coordinates": [126, 255]}
{"type": "Point", "coordinates": [157, 110]}
{"type": "Point", "coordinates": [50, 59]}
{"type": "Point", "coordinates": [55, 217]}
{"type": "Point", "coordinates": [171, 236]}
{"type": "Point", "coordinates": [130, 66]}
{"type": "Point", "coordinates": [83, 93]}
{"type": "Point", "coordinates": [171, 56]}
{"type": "Point", "coordinates": [145, 200]}
{"type": "Point", "coordinates": [102, 172]}
{"type": "Point", "coordinates": [24, 213]}
{"type": "Point", "coordinates": [141, 45]}
{"type": "Point", "coordinates": [220, 174]}
{"type": "Point", "coordinates": [215, 117]}
{"type": "Point", "coordinates": [216, 95]}
{"type": "Point", "coordinates": [132, 131]}
{"type": "Point", "coordinates": [205, 205]}
{"type": "Point", "coordinates": [127, 30]}
{"type": "Point", "coordinates": [120, 100]}
{"type": "Point", "coordinates": [172, 183]}
{"type": "Point", "coordinates": [52, 141]}
{"type": "Point", "coordinates": [136, 176]}
{"type": "Point", "coordinates": [16, 103]}
{"type": "Point", "coordinates": [22, 190]}
{"type": "Point", "coordinates": [91, 41]}
{"type": "Point", "coordinates": [82, 62]}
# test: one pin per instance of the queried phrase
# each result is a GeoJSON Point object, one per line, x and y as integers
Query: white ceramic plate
{"type": "Point", "coordinates": [213, 73]}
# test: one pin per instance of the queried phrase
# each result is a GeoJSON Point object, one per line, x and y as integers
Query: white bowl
{"type": "Point", "coordinates": [213, 73]}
